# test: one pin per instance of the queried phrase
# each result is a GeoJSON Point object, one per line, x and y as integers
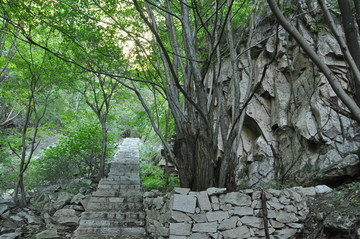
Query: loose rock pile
{"type": "Point", "coordinates": [216, 214]}
{"type": "Point", "coordinates": [52, 212]}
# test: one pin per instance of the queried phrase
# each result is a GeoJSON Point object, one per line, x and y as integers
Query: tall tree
{"type": "Point", "coordinates": [37, 92]}
{"type": "Point", "coordinates": [189, 60]}
{"type": "Point", "coordinates": [98, 92]}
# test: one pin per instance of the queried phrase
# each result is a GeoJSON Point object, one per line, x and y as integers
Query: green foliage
{"type": "Point", "coordinates": [76, 154]}
{"type": "Point", "coordinates": [152, 175]}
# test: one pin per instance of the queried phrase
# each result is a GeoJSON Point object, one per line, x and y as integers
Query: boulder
{"type": "Point", "coordinates": [341, 222]}
{"type": "Point", "coordinates": [66, 217]}
{"type": "Point", "coordinates": [62, 199]}
{"type": "Point", "coordinates": [12, 235]}
{"type": "Point", "coordinates": [77, 199]}
{"type": "Point", "coordinates": [48, 234]}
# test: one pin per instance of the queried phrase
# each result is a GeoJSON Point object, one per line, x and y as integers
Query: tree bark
{"type": "Point", "coordinates": [352, 40]}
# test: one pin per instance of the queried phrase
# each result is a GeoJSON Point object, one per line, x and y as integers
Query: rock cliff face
{"type": "Point", "coordinates": [296, 129]}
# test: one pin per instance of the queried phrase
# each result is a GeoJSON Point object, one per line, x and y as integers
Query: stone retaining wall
{"type": "Point", "coordinates": [217, 214]}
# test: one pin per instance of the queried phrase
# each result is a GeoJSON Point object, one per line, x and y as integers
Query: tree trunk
{"type": "Point", "coordinates": [103, 151]}
{"type": "Point", "coordinates": [352, 40]}
{"type": "Point", "coordinates": [195, 159]}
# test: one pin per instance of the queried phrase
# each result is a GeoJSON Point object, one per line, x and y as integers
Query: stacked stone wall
{"type": "Point", "coordinates": [217, 214]}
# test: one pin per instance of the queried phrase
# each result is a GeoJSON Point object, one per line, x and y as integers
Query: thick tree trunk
{"type": "Point", "coordinates": [195, 158]}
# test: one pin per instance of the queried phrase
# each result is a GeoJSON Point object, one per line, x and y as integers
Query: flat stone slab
{"type": "Point", "coordinates": [184, 203]}
{"type": "Point", "coordinates": [180, 229]}
{"type": "Point", "coordinates": [205, 227]}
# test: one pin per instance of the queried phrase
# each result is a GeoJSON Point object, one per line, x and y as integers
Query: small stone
{"type": "Point", "coordinates": [261, 232]}
{"type": "Point", "coordinates": [247, 191]}
{"type": "Point", "coordinates": [48, 234]}
{"type": "Point", "coordinates": [214, 199]}
{"type": "Point", "coordinates": [285, 233]}
{"type": "Point", "coordinates": [256, 204]}
{"type": "Point", "coordinates": [274, 192]}
{"type": "Point", "coordinates": [276, 224]}
{"type": "Point", "coordinates": [18, 220]}
{"type": "Point", "coordinates": [180, 216]}
{"type": "Point", "coordinates": [229, 223]}
{"type": "Point", "coordinates": [253, 221]}
{"type": "Point", "coordinates": [215, 191]}
{"type": "Point", "coordinates": [77, 199]}
{"type": "Point", "coordinates": [296, 196]}
{"type": "Point", "coordinates": [3, 208]}
{"type": "Point", "coordinates": [177, 237]}
{"type": "Point", "coordinates": [243, 211]}
{"type": "Point", "coordinates": [203, 201]}
{"type": "Point", "coordinates": [286, 217]}
{"type": "Point", "coordinates": [237, 233]}
{"type": "Point", "coordinates": [238, 199]}
{"type": "Point", "coordinates": [180, 229]}
{"type": "Point", "coordinates": [215, 206]}
{"type": "Point", "coordinates": [309, 191]}
{"type": "Point", "coordinates": [320, 189]}
{"type": "Point", "coordinates": [215, 235]}
{"type": "Point", "coordinates": [271, 214]}
{"type": "Point", "coordinates": [275, 205]}
{"type": "Point", "coordinates": [256, 195]}
{"type": "Point", "coordinates": [226, 207]}
{"type": "Point", "coordinates": [217, 216]}
{"type": "Point", "coordinates": [184, 203]}
{"type": "Point", "coordinates": [295, 225]}
{"type": "Point", "coordinates": [198, 217]}
{"type": "Point", "coordinates": [284, 200]}
{"type": "Point", "coordinates": [199, 236]}
{"type": "Point", "coordinates": [290, 208]}
{"type": "Point", "coordinates": [205, 227]}
{"type": "Point", "coordinates": [183, 191]}
{"type": "Point", "coordinates": [149, 194]}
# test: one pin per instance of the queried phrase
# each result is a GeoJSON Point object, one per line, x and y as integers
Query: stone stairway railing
{"type": "Point", "coordinates": [115, 210]}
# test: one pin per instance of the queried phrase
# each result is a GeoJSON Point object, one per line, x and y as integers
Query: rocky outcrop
{"type": "Point", "coordinates": [217, 214]}
{"type": "Point", "coordinates": [296, 129]}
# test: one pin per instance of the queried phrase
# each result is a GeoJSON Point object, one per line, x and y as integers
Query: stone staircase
{"type": "Point", "coordinates": [115, 210]}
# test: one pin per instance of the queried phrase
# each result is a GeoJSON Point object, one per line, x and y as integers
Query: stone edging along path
{"type": "Point", "coordinates": [115, 209]}
{"type": "Point", "coordinates": [217, 214]}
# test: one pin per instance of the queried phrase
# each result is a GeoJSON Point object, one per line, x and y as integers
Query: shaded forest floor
{"type": "Point", "coordinates": [335, 215]}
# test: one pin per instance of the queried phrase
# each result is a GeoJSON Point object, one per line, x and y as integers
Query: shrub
{"type": "Point", "coordinates": [76, 154]}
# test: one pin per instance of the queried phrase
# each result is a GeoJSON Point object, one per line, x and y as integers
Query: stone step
{"type": "Point", "coordinates": [122, 178]}
{"type": "Point", "coordinates": [98, 231]}
{"type": "Point", "coordinates": [119, 187]}
{"type": "Point", "coordinates": [116, 181]}
{"type": "Point", "coordinates": [110, 223]}
{"type": "Point", "coordinates": [109, 232]}
{"type": "Point", "coordinates": [112, 193]}
{"type": "Point", "coordinates": [128, 174]}
{"type": "Point", "coordinates": [128, 216]}
{"type": "Point", "coordinates": [123, 207]}
{"type": "Point", "coordinates": [120, 200]}
{"type": "Point", "coordinates": [133, 231]}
